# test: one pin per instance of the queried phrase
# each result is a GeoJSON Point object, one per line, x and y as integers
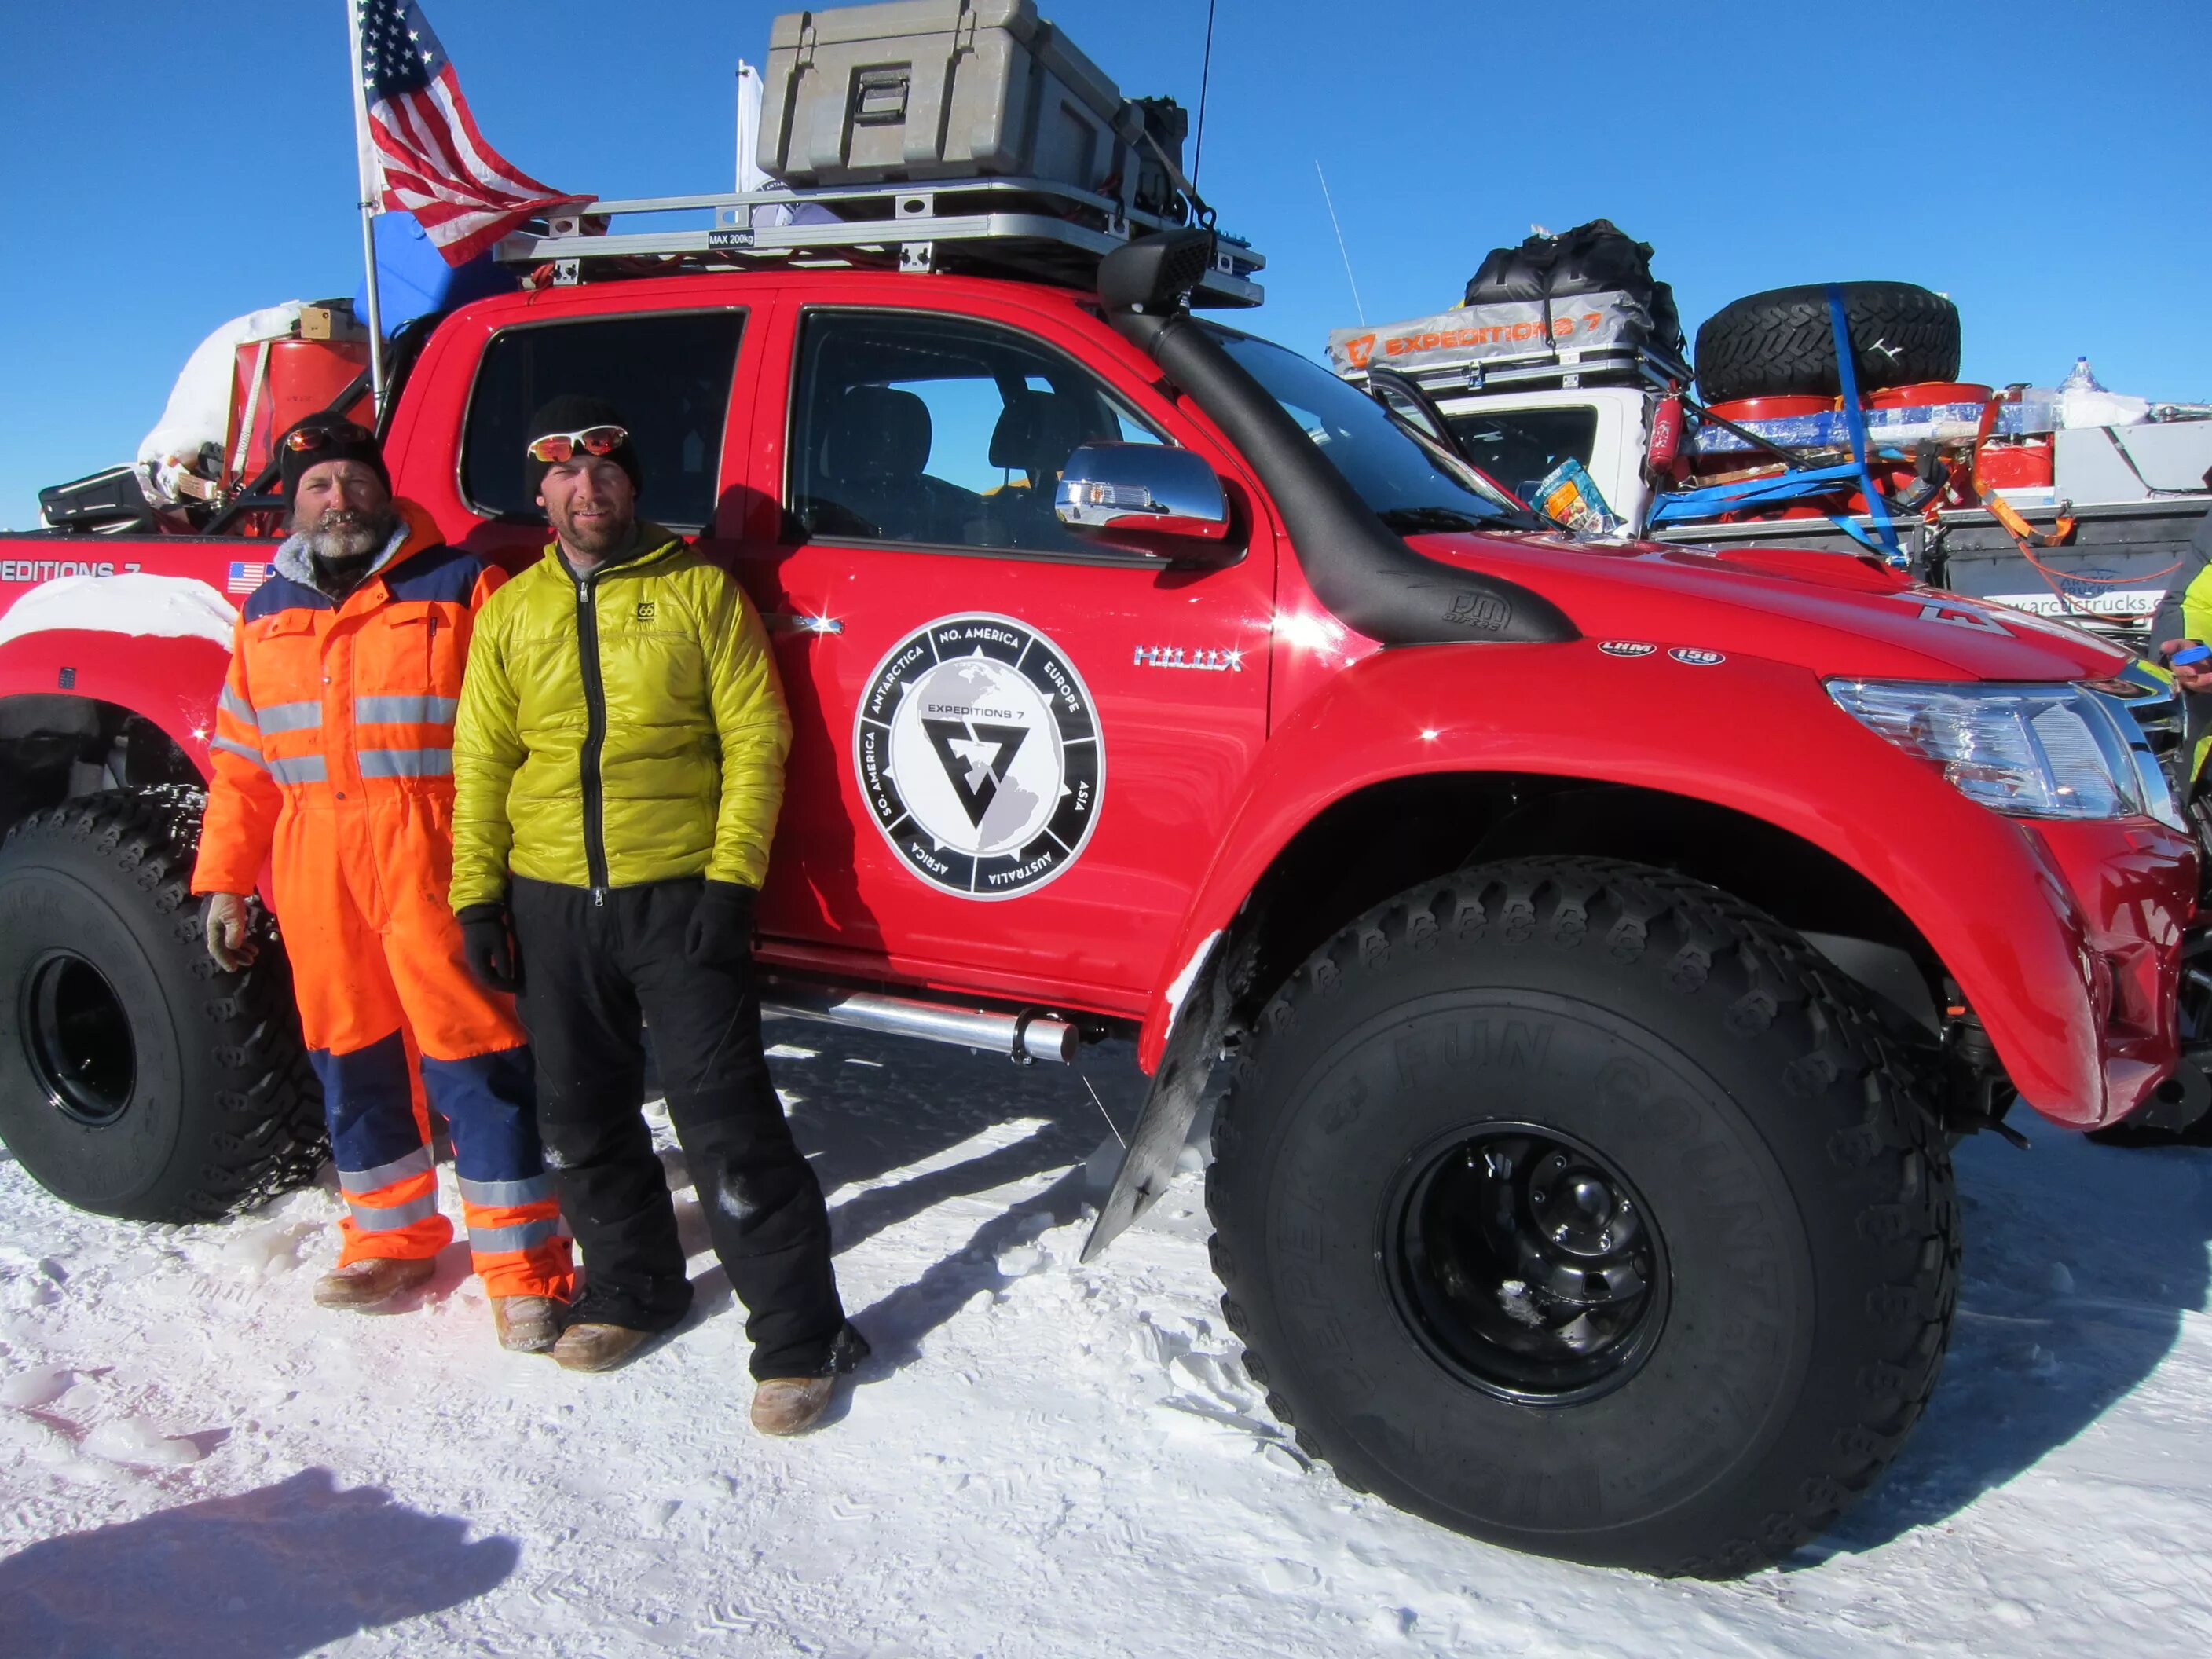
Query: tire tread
{"type": "Point", "coordinates": [1781, 343]}
{"type": "Point", "coordinates": [270, 1138]}
{"type": "Point", "coordinates": [1777, 976]}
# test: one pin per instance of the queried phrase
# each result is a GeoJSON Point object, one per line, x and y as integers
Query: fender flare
{"type": "Point", "coordinates": [1760, 737]}
{"type": "Point", "coordinates": [170, 679]}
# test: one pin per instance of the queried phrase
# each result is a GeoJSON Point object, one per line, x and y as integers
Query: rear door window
{"type": "Point", "coordinates": [669, 375]}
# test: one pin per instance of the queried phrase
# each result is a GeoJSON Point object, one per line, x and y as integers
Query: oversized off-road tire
{"type": "Point", "coordinates": [136, 1080]}
{"type": "Point", "coordinates": [1781, 343]}
{"type": "Point", "coordinates": [1581, 1207]}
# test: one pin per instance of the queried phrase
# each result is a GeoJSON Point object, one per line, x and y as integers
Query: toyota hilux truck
{"type": "Point", "coordinates": [1603, 943]}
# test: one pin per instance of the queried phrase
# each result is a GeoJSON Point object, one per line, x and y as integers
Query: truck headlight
{"type": "Point", "coordinates": [2033, 751]}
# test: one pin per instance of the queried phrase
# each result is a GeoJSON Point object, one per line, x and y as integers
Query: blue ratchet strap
{"type": "Point", "coordinates": [1710, 501]}
{"type": "Point", "coordinates": [1855, 422]}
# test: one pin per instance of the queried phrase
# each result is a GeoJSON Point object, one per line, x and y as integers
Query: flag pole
{"type": "Point", "coordinates": [370, 176]}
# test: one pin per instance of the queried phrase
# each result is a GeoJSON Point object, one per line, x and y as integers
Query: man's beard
{"type": "Point", "coordinates": [601, 542]}
{"type": "Point", "coordinates": [343, 536]}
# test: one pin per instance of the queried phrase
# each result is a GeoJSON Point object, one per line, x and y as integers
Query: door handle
{"type": "Point", "coordinates": [793, 622]}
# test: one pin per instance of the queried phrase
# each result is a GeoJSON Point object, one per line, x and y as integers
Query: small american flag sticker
{"type": "Point", "coordinates": [246, 575]}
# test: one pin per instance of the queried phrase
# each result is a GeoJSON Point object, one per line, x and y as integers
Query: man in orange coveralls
{"type": "Point", "coordinates": [333, 764]}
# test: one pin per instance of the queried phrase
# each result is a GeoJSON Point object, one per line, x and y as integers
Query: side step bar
{"type": "Point", "coordinates": [1022, 1037]}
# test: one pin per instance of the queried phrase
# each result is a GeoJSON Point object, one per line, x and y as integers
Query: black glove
{"type": "Point", "coordinates": [721, 930]}
{"type": "Point", "coordinates": [488, 943]}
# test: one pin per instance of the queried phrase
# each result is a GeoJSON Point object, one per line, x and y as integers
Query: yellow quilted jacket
{"type": "Point", "coordinates": [622, 727]}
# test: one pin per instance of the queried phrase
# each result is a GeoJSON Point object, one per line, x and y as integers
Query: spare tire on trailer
{"type": "Point", "coordinates": [1781, 343]}
{"type": "Point", "coordinates": [137, 1079]}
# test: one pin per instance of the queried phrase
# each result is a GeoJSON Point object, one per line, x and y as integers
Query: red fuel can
{"type": "Point", "coordinates": [2015, 466]}
{"type": "Point", "coordinates": [277, 382]}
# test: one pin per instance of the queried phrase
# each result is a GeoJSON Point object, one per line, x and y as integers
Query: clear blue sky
{"type": "Point", "coordinates": [2047, 164]}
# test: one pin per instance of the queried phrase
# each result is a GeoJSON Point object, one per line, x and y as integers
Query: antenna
{"type": "Point", "coordinates": [1205, 80]}
{"type": "Point", "coordinates": [1341, 247]}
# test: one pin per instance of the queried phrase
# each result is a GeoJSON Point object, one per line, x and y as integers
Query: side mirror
{"type": "Point", "coordinates": [1148, 489]}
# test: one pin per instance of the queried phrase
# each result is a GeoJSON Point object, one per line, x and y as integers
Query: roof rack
{"type": "Point", "coordinates": [1568, 368]}
{"type": "Point", "coordinates": [1035, 229]}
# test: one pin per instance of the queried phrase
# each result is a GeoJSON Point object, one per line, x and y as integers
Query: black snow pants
{"type": "Point", "coordinates": [589, 971]}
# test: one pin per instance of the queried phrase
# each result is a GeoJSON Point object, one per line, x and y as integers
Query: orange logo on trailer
{"type": "Point", "coordinates": [1360, 350]}
{"type": "Point", "coordinates": [1495, 334]}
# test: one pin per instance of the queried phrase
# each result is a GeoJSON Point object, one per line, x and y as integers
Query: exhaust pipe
{"type": "Point", "coordinates": [1021, 1037]}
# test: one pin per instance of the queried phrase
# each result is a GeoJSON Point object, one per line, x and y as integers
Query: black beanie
{"type": "Point", "coordinates": [342, 441]}
{"type": "Point", "coordinates": [576, 414]}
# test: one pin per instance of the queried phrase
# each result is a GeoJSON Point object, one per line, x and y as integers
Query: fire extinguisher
{"type": "Point", "coordinates": [1665, 445]}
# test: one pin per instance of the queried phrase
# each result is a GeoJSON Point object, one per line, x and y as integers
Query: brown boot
{"type": "Point", "coordinates": [595, 1347]}
{"type": "Point", "coordinates": [371, 1282]}
{"type": "Point", "coordinates": [791, 1405]}
{"type": "Point", "coordinates": [526, 1324]}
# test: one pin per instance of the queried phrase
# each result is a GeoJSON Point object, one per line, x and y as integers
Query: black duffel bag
{"type": "Point", "coordinates": [1597, 257]}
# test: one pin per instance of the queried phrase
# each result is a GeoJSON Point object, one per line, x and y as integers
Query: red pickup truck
{"type": "Point", "coordinates": [1607, 942]}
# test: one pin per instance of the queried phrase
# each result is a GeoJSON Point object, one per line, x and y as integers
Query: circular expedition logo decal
{"type": "Point", "coordinates": [979, 752]}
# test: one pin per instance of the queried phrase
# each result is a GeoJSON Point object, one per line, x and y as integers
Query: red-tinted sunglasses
{"type": "Point", "coordinates": [555, 448]}
{"type": "Point", "coordinates": [306, 439]}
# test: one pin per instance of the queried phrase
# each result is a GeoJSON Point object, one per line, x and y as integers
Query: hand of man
{"type": "Point", "coordinates": [721, 930]}
{"type": "Point", "coordinates": [2192, 677]}
{"type": "Point", "coordinates": [488, 942]}
{"type": "Point", "coordinates": [229, 927]}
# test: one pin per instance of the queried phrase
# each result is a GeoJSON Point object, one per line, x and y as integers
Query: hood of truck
{"type": "Point", "coordinates": [1839, 615]}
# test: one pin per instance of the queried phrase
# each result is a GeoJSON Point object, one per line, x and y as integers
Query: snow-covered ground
{"type": "Point", "coordinates": [1043, 1459]}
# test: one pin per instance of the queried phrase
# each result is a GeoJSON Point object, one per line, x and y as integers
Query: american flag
{"type": "Point", "coordinates": [246, 575]}
{"type": "Point", "coordinates": [428, 157]}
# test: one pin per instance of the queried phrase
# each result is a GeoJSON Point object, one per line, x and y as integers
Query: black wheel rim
{"type": "Point", "coordinates": [77, 1034]}
{"type": "Point", "coordinates": [1526, 1264]}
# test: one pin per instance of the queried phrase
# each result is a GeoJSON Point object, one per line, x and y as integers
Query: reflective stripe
{"type": "Point", "coordinates": [495, 1240]}
{"type": "Point", "coordinates": [300, 768]}
{"type": "Point", "coordinates": [406, 762]}
{"type": "Point", "coordinates": [236, 706]}
{"type": "Point", "coordinates": [387, 711]}
{"type": "Point", "coordinates": [368, 1180]}
{"type": "Point", "coordinates": [245, 751]}
{"type": "Point", "coordinates": [373, 1218]}
{"type": "Point", "coordinates": [507, 1194]}
{"type": "Point", "coordinates": [290, 717]}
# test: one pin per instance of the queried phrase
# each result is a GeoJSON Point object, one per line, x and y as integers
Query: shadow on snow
{"type": "Point", "coordinates": [866, 1107]}
{"type": "Point", "coordinates": [2081, 1263]}
{"type": "Point", "coordinates": [273, 1573]}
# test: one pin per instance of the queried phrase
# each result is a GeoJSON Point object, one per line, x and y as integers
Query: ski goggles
{"type": "Point", "coordinates": [555, 448]}
{"type": "Point", "coordinates": [327, 434]}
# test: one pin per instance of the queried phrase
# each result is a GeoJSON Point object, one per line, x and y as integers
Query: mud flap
{"type": "Point", "coordinates": [2183, 1099]}
{"type": "Point", "coordinates": [1172, 1103]}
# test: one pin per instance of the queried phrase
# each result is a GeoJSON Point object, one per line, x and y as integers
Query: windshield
{"type": "Point", "coordinates": [1411, 485]}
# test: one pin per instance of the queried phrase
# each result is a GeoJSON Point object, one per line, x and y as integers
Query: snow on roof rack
{"type": "Point", "coordinates": [1033, 229]}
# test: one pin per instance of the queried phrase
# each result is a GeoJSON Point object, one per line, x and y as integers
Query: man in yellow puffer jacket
{"type": "Point", "coordinates": [617, 769]}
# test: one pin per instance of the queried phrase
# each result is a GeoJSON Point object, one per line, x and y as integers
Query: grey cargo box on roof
{"type": "Point", "coordinates": [936, 89]}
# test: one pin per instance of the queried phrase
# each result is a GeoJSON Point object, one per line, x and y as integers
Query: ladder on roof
{"type": "Point", "coordinates": [1034, 228]}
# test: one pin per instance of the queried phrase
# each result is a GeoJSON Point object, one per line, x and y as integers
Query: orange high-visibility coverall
{"type": "Point", "coordinates": [333, 765]}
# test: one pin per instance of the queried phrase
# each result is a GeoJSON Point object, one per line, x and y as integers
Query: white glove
{"type": "Point", "coordinates": [229, 926]}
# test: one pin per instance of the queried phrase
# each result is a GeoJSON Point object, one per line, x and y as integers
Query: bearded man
{"type": "Point", "coordinates": [333, 764]}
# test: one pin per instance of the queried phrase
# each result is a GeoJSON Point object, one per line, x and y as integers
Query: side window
{"type": "Point", "coordinates": [939, 431]}
{"type": "Point", "coordinates": [1518, 446]}
{"type": "Point", "coordinates": [669, 375]}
